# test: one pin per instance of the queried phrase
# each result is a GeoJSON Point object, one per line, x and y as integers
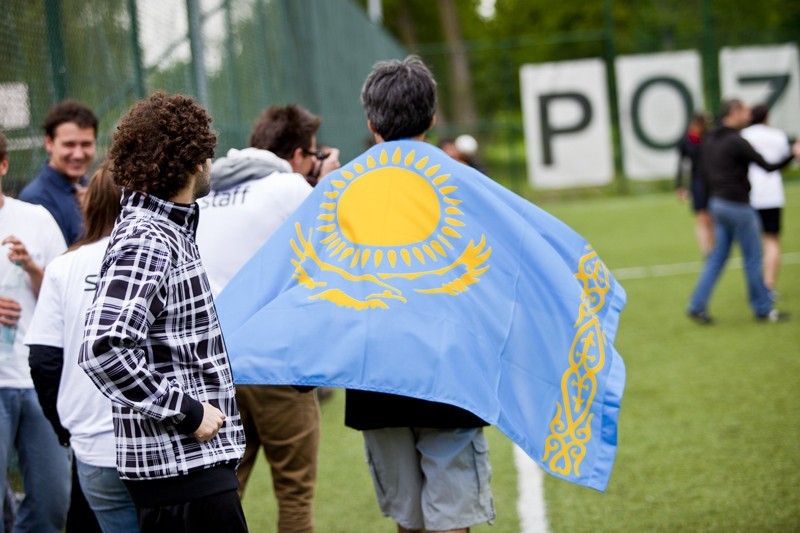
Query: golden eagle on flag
{"type": "Point", "coordinates": [409, 273]}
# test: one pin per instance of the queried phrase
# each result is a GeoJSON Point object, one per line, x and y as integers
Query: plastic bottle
{"type": "Point", "coordinates": [11, 286]}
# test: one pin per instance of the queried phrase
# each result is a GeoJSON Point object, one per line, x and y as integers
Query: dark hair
{"type": "Point", "coordinates": [758, 115]}
{"type": "Point", "coordinates": [282, 130]}
{"type": "Point", "coordinates": [69, 111]}
{"type": "Point", "coordinates": [729, 106]}
{"type": "Point", "coordinates": [159, 142]}
{"type": "Point", "coordinates": [3, 147]}
{"type": "Point", "coordinates": [399, 98]}
{"type": "Point", "coordinates": [100, 206]}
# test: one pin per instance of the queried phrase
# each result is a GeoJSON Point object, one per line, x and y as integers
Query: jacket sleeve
{"type": "Point", "coordinates": [46, 364]}
{"type": "Point", "coordinates": [131, 294]}
{"type": "Point", "coordinates": [754, 157]}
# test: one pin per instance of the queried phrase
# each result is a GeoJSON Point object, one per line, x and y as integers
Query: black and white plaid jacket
{"type": "Point", "coordinates": [153, 344]}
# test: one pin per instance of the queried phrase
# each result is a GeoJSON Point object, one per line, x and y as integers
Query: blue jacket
{"type": "Point", "coordinates": [56, 193]}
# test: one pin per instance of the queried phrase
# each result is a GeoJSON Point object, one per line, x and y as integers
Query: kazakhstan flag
{"type": "Point", "coordinates": [409, 273]}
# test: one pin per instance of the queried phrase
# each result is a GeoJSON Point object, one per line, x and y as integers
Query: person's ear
{"type": "Point", "coordinates": [433, 122]}
{"type": "Point", "coordinates": [48, 144]}
{"type": "Point", "coordinates": [296, 159]}
{"type": "Point", "coordinates": [371, 127]}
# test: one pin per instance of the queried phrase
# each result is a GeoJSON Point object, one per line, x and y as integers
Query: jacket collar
{"type": "Point", "coordinates": [185, 216]}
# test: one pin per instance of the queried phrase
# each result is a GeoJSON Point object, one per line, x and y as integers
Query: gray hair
{"type": "Point", "coordinates": [399, 98]}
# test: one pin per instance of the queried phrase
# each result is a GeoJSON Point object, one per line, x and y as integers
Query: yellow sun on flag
{"type": "Point", "coordinates": [398, 210]}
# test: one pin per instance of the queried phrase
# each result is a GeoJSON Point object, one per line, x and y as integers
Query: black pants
{"type": "Point", "coordinates": [217, 513]}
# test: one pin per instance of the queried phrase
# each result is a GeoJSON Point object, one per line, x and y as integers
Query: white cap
{"type": "Point", "coordinates": [467, 145]}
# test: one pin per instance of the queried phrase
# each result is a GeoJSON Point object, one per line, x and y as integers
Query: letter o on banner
{"type": "Point", "coordinates": [636, 119]}
{"type": "Point", "coordinates": [657, 95]}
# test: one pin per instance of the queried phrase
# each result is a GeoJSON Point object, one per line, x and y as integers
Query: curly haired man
{"type": "Point", "coordinates": [152, 341]}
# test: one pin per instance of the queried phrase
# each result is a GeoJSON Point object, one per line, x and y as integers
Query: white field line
{"type": "Point", "coordinates": [530, 506]}
{"type": "Point", "coordinates": [657, 271]}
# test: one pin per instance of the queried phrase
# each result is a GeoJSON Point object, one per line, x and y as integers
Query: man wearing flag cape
{"type": "Point", "coordinates": [443, 302]}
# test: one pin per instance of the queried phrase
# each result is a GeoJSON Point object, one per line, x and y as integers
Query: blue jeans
{"type": "Point", "coordinates": [43, 462]}
{"type": "Point", "coordinates": [108, 498]}
{"type": "Point", "coordinates": [733, 221]}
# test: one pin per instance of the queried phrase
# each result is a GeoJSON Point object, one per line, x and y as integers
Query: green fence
{"type": "Point", "coordinates": [235, 56]}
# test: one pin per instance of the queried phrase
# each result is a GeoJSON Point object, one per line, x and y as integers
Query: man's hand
{"type": "Point", "coordinates": [330, 163]}
{"type": "Point", "coordinates": [10, 311]}
{"type": "Point", "coordinates": [212, 422]}
{"type": "Point", "coordinates": [796, 149]}
{"type": "Point", "coordinates": [683, 194]}
{"type": "Point", "coordinates": [18, 254]}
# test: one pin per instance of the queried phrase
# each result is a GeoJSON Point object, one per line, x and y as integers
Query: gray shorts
{"type": "Point", "coordinates": [434, 479]}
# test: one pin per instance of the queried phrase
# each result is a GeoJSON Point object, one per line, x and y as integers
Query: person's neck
{"type": "Point", "coordinates": [379, 139]}
{"type": "Point", "coordinates": [184, 196]}
{"type": "Point", "coordinates": [70, 179]}
{"type": "Point", "coordinates": [730, 124]}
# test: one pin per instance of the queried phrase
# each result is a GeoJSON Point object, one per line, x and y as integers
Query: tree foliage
{"type": "Point", "coordinates": [529, 31]}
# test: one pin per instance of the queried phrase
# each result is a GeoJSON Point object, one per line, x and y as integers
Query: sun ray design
{"type": "Point", "coordinates": [390, 218]}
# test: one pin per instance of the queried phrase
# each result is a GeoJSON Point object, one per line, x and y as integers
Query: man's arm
{"type": "Point", "coordinates": [20, 256]}
{"type": "Point", "coordinates": [753, 156]}
{"type": "Point", "coordinates": [47, 363]}
{"type": "Point", "coordinates": [130, 295]}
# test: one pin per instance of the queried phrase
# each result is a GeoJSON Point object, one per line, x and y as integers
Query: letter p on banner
{"type": "Point", "coordinates": [567, 126]}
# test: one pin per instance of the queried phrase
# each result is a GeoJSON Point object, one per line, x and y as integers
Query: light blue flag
{"type": "Point", "coordinates": [408, 273]}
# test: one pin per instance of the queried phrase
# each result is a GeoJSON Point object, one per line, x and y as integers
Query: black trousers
{"type": "Point", "coordinates": [217, 513]}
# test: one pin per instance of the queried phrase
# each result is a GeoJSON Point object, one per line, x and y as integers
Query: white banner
{"type": "Point", "coordinates": [765, 75]}
{"type": "Point", "coordinates": [567, 128]}
{"type": "Point", "coordinates": [657, 95]}
{"type": "Point", "coordinates": [15, 109]}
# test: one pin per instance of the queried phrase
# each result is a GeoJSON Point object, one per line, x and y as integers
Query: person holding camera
{"type": "Point", "coordinates": [252, 192]}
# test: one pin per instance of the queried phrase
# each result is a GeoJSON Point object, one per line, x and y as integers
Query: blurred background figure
{"type": "Point", "coordinates": [766, 189]}
{"type": "Point", "coordinates": [463, 148]}
{"type": "Point", "coordinates": [689, 164]}
{"type": "Point", "coordinates": [725, 158]}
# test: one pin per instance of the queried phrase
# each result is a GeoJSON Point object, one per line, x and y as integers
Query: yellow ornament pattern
{"type": "Point", "coordinates": [571, 427]}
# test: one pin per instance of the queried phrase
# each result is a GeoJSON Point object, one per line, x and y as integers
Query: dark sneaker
{"type": "Point", "coordinates": [774, 316]}
{"type": "Point", "coordinates": [700, 317]}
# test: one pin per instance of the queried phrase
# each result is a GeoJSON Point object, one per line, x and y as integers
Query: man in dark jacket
{"type": "Point", "coordinates": [725, 157]}
{"type": "Point", "coordinates": [70, 133]}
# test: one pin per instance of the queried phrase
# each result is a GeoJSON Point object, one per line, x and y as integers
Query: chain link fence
{"type": "Point", "coordinates": [234, 56]}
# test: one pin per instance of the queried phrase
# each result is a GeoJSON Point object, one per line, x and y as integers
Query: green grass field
{"type": "Point", "coordinates": [709, 436]}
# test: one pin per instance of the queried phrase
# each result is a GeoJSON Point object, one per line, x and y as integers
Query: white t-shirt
{"type": "Point", "coordinates": [67, 291]}
{"type": "Point", "coordinates": [236, 222]}
{"type": "Point", "coordinates": [766, 188]}
{"type": "Point", "coordinates": [36, 228]}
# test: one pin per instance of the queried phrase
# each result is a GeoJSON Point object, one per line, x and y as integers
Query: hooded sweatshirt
{"type": "Point", "coordinates": [252, 192]}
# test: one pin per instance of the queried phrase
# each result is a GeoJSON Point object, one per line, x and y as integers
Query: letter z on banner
{"type": "Point", "coordinates": [567, 127]}
{"type": "Point", "coordinates": [765, 75]}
